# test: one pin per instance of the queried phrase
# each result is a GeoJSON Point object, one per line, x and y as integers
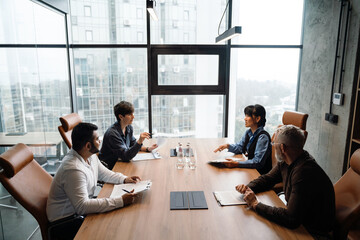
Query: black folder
{"type": "Point", "coordinates": [187, 200]}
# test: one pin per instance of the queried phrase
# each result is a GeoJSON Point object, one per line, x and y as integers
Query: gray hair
{"type": "Point", "coordinates": [291, 136]}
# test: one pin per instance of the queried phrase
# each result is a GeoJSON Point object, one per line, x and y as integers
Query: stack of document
{"type": "Point", "coordinates": [121, 189]}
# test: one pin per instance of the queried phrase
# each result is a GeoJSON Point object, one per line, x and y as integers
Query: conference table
{"type": "Point", "coordinates": [150, 216]}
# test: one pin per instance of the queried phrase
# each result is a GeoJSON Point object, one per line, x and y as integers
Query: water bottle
{"type": "Point", "coordinates": [187, 154]}
{"type": "Point", "coordinates": [180, 157]}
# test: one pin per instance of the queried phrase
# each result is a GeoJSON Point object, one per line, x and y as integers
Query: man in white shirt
{"type": "Point", "coordinates": [73, 186]}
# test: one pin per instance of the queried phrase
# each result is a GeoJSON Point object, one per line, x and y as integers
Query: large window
{"type": "Point", "coordinates": [263, 76]}
{"type": "Point", "coordinates": [104, 22]}
{"type": "Point", "coordinates": [104, 77]}
{"type": "Point", "coordinates": [34, 81]}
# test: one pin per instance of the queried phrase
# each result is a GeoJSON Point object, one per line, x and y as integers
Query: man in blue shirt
{"type": "Point", "coordinates": [255, 143]}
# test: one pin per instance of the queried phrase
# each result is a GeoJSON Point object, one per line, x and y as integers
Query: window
{"type": "Point", "coordinates": [186, 15]}
{"type": "Point", "coordinates": [120, 75]}
{"type": "Point", "coordinates": [108, 21]}
{"type": "Point", "coordinates": [139, 13]}
{"type": "Point", "coordinates": [140, 37]}
{"type": "Point", "coordinates": [262, 26]}
{"type": "Point", "coordinates": [206, 15]}
{"type": "Point", "coordinates": [200, 69]}
{"type": "Point", "coordinates": [276, 71]}
{"type": "Point", "coordinates": [187, 116]}
{"type": "Point", "coordinates": [88, 35]}
{"type": "Point", "coordinates": [87, 11]}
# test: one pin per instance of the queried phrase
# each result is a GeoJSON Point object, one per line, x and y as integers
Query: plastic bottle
{"type": "Point", "coordinates": [180, 157]}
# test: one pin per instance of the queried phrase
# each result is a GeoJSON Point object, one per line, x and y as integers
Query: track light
{"type": "Point", "coordinates": [228, 34]}
{"type": "Point", "coordinates": [150, 6]}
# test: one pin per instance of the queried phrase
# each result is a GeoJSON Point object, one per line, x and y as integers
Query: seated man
{"type": "Point", "coordinates": [119, 143]}
{"type": "Point", "coordinates": [74, 184]}
{"type": "Point", "coordinates": [308, 190]}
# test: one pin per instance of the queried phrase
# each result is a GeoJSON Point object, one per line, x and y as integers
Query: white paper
{"type": "Point", "coordinates": [138, 187]}
{"type": "Point", "coordinates": [147, 156]}
{"type": "Point", "coordinates": [229, 197]}
{"type": "Point", "coordinates": [160, 142]}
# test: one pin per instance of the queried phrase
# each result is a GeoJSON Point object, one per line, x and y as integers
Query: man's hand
{"type": "Point", "coordinates": [231, 164]}
{"type": "Point", "coordinates": [152, 147]}
{"type": "Point", "coordinates": [132, 179]}
{"type": "Point", "coordinates": [221, 147]}
{"type": "Point", "coordinates": [143, 136]}
{"type": "Point", "coordinates": [241, 188]}
{"type": "Point", "coordinates": [129, 198]}
{"type": "Point", "coordinates": [250, 198]}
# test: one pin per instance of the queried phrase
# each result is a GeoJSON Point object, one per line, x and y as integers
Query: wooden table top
{"type": "Point", "coordinates": [150, 216]}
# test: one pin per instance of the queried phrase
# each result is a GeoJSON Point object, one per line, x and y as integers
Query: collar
{"type": "Point", "coordinates": [77, 155]}
{"type": "Point", "coordinates": [118, 127]}
{"type": "Point", "coordinates": [256, 131]}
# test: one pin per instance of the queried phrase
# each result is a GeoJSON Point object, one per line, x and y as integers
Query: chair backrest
{"type": "Point", "coordinates": [294, 118]}
{"type": "Point", "coordinates": [347, 198]}
{"type": "Point", "coordinates": [27, 182]}
{"type": "Point", "coordinates": [68, 122]}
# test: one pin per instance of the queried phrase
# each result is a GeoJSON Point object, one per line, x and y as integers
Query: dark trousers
{"type": "Point", "coordinates": [65, 228]}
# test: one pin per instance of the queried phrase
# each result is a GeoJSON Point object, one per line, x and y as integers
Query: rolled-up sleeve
{"type": "Point", "coordinates": [75, 188]}
{"type": "Point", "coordinates": [237, 147]}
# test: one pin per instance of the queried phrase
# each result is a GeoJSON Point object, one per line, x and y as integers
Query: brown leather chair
{"type": "Point", "coordinates": [294, 118]}
{"type": "Point", "coordinates": [347, 198]}
{"type": "Point", "coordinates": [68, 122]}
{"type": "Point", "coordinates": [27, 182]}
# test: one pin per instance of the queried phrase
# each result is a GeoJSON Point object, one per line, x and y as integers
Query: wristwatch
{"type": "Point", "coordinates": [147, 149]}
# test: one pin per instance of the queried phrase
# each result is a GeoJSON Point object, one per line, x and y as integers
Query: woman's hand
{"type": "Point", "coordinates": [143, 136]}
{"type": "Point", "coordinates": [152, 147]}
{"type": "Point", "coordinates": [222, 147]}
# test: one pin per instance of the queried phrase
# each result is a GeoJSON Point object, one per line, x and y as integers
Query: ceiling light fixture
{"type": "Point", "coordinates": [228, 34]}
{"type": "Point", "coordinates": [150, 6]}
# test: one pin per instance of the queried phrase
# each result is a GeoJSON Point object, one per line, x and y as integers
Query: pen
{"type": "Point", "coordinates": [126, 190]}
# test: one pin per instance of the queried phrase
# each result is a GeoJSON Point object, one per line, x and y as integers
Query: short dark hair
{"type": "Point", "coordinates": [256, 111]}
{"type": "Point", "coordinates": [123, 108]}
{"type": "Point", "coordinates": [82, 134]}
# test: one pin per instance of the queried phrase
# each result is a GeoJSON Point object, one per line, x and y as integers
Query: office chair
{"type": "Point", "coordinates": [294, 118]}
{"type": "Point", "coordinates": [68, 122]}
{"type": "Point", "coordinates": [27, 182]}
{"type": "Point", "coordinates": [30, 184]}
{"type": "Point", "coordinates": [347, 198]}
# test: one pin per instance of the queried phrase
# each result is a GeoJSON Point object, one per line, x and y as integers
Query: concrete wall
{"type": "Point", "coordinates": [326, 141]}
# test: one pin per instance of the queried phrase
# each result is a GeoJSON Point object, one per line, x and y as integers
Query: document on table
{"type": "Point", "coordinates": [147, 156]}
{"type": "Point", "coordinates": [154, 154]}
{"type": "Point", "coordinates": [121, 189]}
{"type": "Point", "coordinates": [228, 198]}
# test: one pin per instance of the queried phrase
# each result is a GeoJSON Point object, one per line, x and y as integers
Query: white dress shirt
{"type": "Point", "coordinates": [74, 185]}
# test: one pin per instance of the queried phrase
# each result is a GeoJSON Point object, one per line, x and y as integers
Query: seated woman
{"type": "Point", "coordinates": [256, 142]}
{"type": "Point", "coordinates": [119, 144]}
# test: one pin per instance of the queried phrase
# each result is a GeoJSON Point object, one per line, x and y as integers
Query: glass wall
{"type": "Point", "coordinates": [104, 77]}
{"type": "Point", "coordinates": [34, 81]}
{"type": "Point", "coordinates": [263, 76]}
